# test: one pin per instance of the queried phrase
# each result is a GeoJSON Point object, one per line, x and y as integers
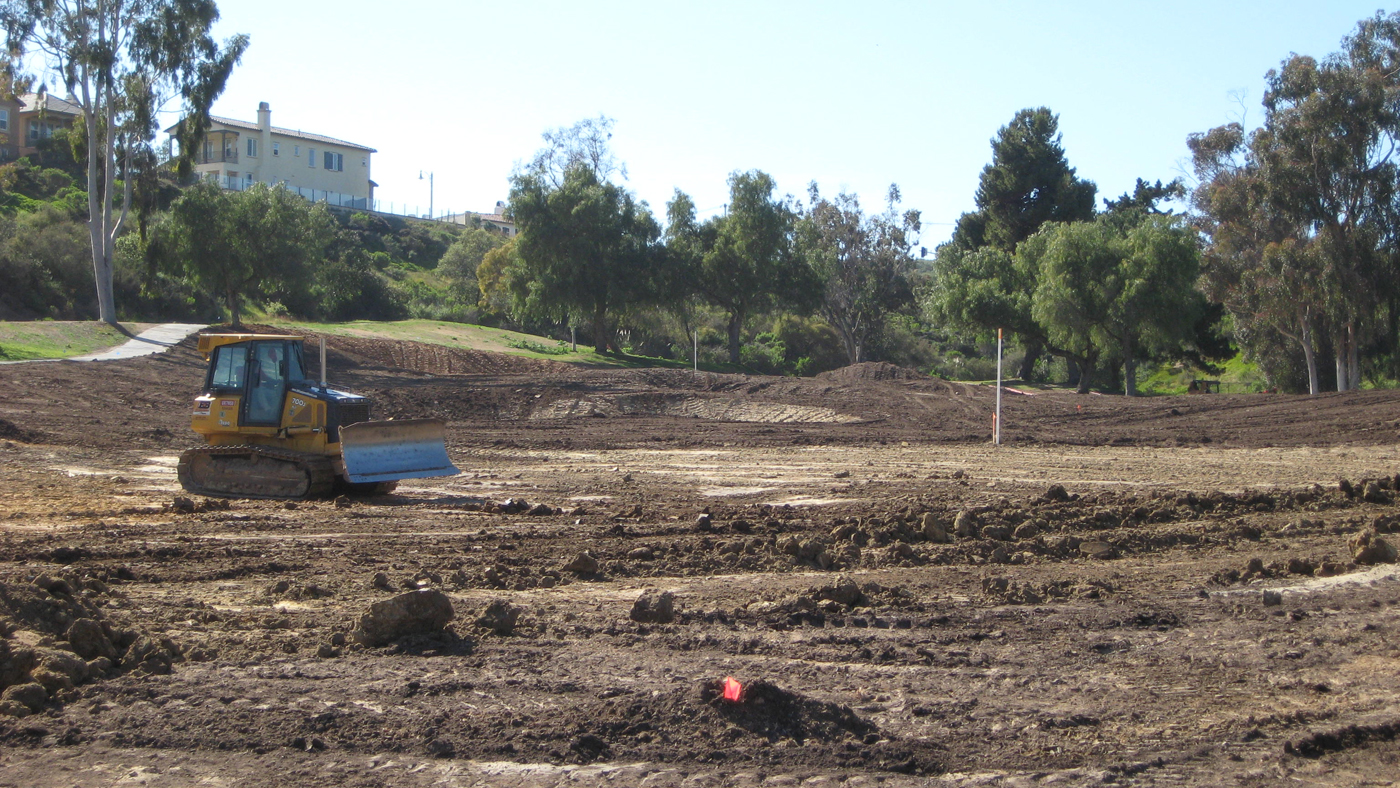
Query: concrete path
{"type": "Point", "coordinates": [152, 340]}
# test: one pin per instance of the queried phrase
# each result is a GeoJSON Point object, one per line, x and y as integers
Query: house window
{"type": "Point", "coordinates": [252, 147]}
{"type": "Point", "coordinates": [335, 161]}
{"type": "Point", "coordinates": [296, 151]}
{"type": "Point", "coordinates": [276, 149]}
{"type": "Point", "coordinates": [39, 130]}
{"type": "Point", "coordinates": [364, 161]}
{"type": "Point", "coordinates": [4, 120]}
{"type": "Point", "coordinates": [311, 158]}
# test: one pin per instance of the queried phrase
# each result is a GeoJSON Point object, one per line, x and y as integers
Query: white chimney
{"type": "Point", "coordinates": [264, 116]}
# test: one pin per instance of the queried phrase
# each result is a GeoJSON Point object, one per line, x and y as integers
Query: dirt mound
{"type": "Point", "coordinates": [766, 715]}
{"type": "Point", "coordinates": [775, 713]}
{"type": "Point", "coordinates": [871, 370]}
{"type": "Point", "coordinates": [11, 431]}
{"type": "Point", "coordinates": [437, 359]}
{"type": "Point", "coordinates": [718, 409]}
{"type": "Point", "coordinates": [408, 355]}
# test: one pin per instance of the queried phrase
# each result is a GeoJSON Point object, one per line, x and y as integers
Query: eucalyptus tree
{"type": "Point", "coordinates": [123, 62]}
{"type": "Point", "coordinates": [1302, 212]}
{"type": "Point", "coordinates": [587, 248]}
{"type": "Point", "coordinates": [861, 263]}
{"type": "Point", "coordinates": [748, 263]}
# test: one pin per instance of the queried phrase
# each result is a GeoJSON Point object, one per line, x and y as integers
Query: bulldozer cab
{"type": "Point", "coordinates": [259, 370]}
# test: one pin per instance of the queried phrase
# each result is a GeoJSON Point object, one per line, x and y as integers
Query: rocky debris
{"type": "Point", "coordinates": [1301, 566]}
{"type": "Point", "coordinates": [1097, 549]}
{"type": "Point", "coordinates": [654, 608]}
{"type": "Point", "coordinates": [1329, 569]}
{"type": "Point", "coordinates": [1272, 598]}
{"type": "Point", "coordinates": [23, 699]}
{"type": "Point", "coordinates": [78, 645]}
{"type": "Point", "coordinates": [966, 524]}
{"type": "Point", "coordinates": [147, 655]}
{"type": "Point", "coordinates": [441, 748]}
{"type": "Point", "coordinates": [59, 670]}
{"type": "Point", "coordinates": [1026, 531]}
{"type": "Point", "coordinates": [500, 617]}
{"type": "Point", "coordinates": [416, 612]}
{"type": "Point", "coordinates": [90, 640]}
{"type": "Point", "coordinates": [542, 510]}
{"type": "Point", "coordinates": [15, 664]}
{"type": "Point", "coordinates": [1367, 547]}
{"type": "Point", "coordinates": [1373, 492]}
{"type": "Point", "coordinates": [643, 553]}
{"type": "Point", "coordinates": [704, 523]}
{"type": "Point", "coordinates": [288, 590]}
{"type": "Point", "coordinates": [54, 585]}
{"type": "Point", "coordinates": [843, 592]}
{"type": "Point", "coordinates": [381, 582]}
{"type": "Point", "coordinates": [585, 563]}
{"type": "Point", "coordinates": [1011, 592]}
{"type": "Point", "coordinates": [1000, 533]}
{"type": "Point", "coordinates": [1056, 494]}
{"type": "Point", "coordinates": [185, 505]}
{"type": "Point", "coordinates": [933, 530]}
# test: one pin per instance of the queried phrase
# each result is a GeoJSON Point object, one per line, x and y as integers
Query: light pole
{"type": "Point", "coordinates": [430, 192]}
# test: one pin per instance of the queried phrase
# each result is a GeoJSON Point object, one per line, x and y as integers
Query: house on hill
{"type": "Point", "coordinates": [29, 118]}
{"type": "Point", "coordinates": [495, 220]}
{"type": "Point", "coordinates": [236, 154]}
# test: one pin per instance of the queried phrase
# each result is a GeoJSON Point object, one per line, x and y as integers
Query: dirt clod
{"type": "Point", "coordinates": [654, 608]}
{"type": "Point", "coordinates": [585, 563]}
{"type": "Point", "coordinates": [1368, 547]}
{"type": "Point", "coordinates": [500, 617]}
{"type": "Point", "coordinates": [417, 612]}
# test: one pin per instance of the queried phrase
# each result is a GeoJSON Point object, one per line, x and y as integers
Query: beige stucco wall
{"type": "Point", "coordinates": [292, 162]}
{"type": "Point", "coordinates": [291, 165]}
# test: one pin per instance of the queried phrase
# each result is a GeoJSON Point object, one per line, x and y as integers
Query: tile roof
{"type": "Point", "coordinates": [243, 124]}
{"type": "Point", "coordinates": [33, 102]}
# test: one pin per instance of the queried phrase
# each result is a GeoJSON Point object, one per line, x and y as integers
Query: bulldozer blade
{"type": "Point", "coordinates": [383, 451]}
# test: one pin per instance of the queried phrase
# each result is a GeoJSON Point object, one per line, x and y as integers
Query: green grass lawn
{"type": "Point", "coordinates": [31, 339]}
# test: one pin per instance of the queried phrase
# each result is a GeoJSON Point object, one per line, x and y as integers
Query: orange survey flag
{"type": "Point", "coordinates": [733, 690]}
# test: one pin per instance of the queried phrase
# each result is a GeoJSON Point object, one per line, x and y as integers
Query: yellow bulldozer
{"type": "Point", "coordinates": [273, 432]}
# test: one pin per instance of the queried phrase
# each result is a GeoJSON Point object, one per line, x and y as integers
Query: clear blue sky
{"type": "Point", "coordinates": [852, 95]}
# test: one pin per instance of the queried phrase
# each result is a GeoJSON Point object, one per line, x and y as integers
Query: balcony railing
{"type": "Point", "coordinates": [228, 156]}
{"type": "Point", "coordinates": [314, 195]}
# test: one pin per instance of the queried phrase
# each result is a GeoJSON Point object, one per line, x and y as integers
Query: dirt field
{"type": "Point", "coordinates": [1156, 591]}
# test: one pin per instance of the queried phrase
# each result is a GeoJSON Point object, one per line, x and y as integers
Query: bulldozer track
{"type": "Point", "coordinates": [252, 471]}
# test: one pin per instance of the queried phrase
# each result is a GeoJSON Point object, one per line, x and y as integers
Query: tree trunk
{"type": "Point", "coordinates": [736, 321]}
{"type": "Point", "coordinates": [99, 213]}
{"type": "Point", "coordinates": [1309, 355]}
{"type": "Point", "coordinates": [231, 300]}
{"type": "Point", "coordinates": [1034, 349]}
{"type": "Point", "coordinates": [600, 332]}
{"type": "Point", "coordinates": [1071, 370]}
{"type": "Point", "coordinates": [1129, 369]}
{"type": "Point", "coordinates": [1353, 358]}
{"type": "Point", "coordinates": [1339, 346]}
{"type": "Point", "coordinates": [1086, 374]}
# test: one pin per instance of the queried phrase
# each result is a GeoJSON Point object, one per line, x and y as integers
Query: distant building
{"type": "Point", "coordinates": [237, 154]}
{"type": "Point", "coordinates": [496, 220]}
{"type": "Point", "coordinates": [26, 119]}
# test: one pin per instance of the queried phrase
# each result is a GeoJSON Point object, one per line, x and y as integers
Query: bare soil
{"type": "Point", "coordinates": [1105, 622]}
